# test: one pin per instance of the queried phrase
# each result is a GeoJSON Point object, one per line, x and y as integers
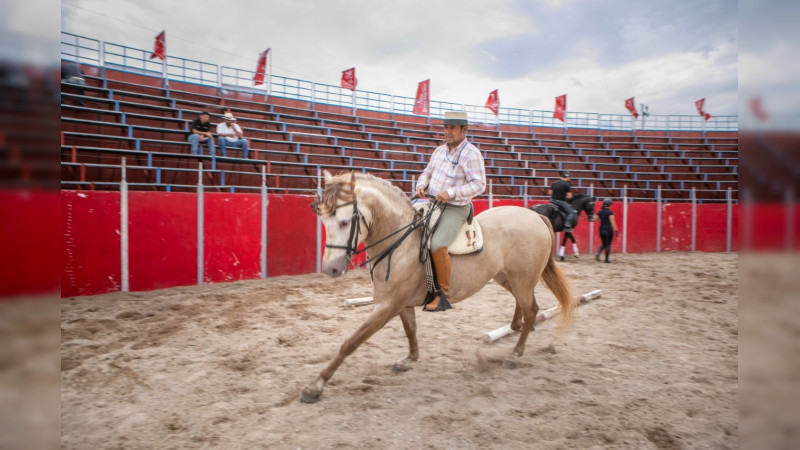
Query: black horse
{"type": "Point", "coordinates": [581, 202]}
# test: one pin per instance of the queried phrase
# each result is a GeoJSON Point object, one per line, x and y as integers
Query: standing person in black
{"type": "Point", "coordinates": [607, 226]}
{"type": "Point", "coordinates": [200, 132]}
{"type": "Point", "coordinates": [559, 193]}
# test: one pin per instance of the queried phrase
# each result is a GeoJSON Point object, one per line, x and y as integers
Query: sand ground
{"type": "Point", "coordinates": [650, 364]}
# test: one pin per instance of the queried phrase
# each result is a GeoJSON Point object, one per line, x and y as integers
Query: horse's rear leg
{"type": "Point", "coordinates": [377, 320]}
{"type": "Point", "coordinates": [528, 308]}
{"type": "Point", "coordinates": [409, 318]}
{"type": "Point", "coordinates": [516, 321]}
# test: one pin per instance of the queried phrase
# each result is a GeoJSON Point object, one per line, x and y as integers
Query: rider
{"type": "Point", "coordinates": [559, 193]}
{"type": "Point", "coordinates": [455, 174]}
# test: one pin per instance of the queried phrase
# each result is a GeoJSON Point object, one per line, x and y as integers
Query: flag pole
{"type": "Point", "coordinates": [270, 57]}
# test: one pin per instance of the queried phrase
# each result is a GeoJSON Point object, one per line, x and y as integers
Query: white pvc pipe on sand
{"type": "Point", "coordinates": [541, 316]}
{"type": "Point", "coordinates": [357, 301]}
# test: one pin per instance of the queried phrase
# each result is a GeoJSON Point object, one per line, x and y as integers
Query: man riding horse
{"type": "Point", "coordinates": [455, 175]}
{"type": "Point", "coordinates": [559, 192]}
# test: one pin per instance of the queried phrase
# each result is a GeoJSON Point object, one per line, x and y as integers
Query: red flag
{"type": "Point", "coordinates": [422, 104]}
{"type": "Point", "coordinates": [755, 107]}
{"type": "Point", "coordinates": [493, 102]}
{"type": "Point", "coordinates": [632, 107]}
{"type": "Point", "coordinates": [349, 80]}
{"type": "Point", "coordinates": [699, 105]}
{"type": "Point", "coordinates": [561, 107]}
{"type": "Point", "coordinates": [261, 67]}
{"type": "Point", "coordinates": [160, 48]}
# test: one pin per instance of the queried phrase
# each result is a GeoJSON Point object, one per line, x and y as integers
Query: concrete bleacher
{"type": "Point", "coordinates": [135, 117]}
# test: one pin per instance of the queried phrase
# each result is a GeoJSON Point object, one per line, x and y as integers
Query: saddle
{"type": "Point", "coordinates": [469, 238]}
{"type": "Point", "coordinates": [563, 215]}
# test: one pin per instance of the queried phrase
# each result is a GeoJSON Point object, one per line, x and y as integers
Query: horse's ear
{"type": "Point", "coordinates": [352, 179]}
{"type": "Point", "coordinates": [327, 175]}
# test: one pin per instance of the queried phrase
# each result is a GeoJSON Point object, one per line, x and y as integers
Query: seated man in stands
{"type": "Point", "coordinates": [200, 132]}
{"type": "Point", "coordinates": [71, 73]}
{"type": "Point", "coordinates": [230, 135]}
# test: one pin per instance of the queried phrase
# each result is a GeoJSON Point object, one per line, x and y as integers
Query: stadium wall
{"type": "Point", "coordinates": [163, 238]}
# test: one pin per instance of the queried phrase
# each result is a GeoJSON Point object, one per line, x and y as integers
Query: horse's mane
{"type": "Point", "coordinates": [340, 185]}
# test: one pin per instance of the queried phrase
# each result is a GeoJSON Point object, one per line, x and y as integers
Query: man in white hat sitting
{"type": "Point", "coordinates": [230, 135]}
{"type": "Point", "coordinates": [454, 176]}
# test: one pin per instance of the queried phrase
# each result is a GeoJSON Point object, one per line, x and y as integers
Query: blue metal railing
{"type": "Point", "coordinates": [108, 55]}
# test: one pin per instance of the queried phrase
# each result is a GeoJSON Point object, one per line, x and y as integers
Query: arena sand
{"type": "Point", "coordinates": [651, 364]}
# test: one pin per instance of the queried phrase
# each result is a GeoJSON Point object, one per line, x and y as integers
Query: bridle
{"type": "Point", "coordinates": [351, 247]}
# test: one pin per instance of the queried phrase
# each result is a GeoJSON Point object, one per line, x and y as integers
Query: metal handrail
{"type": "Point", "coordinates": [82, 49]}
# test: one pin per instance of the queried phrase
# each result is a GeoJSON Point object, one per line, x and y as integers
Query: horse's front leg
{"type": "Point", "coordinates": [409, 318]}
{"type": "Point", "coordinates": [377, 320]}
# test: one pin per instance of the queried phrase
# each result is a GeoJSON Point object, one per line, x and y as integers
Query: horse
{"type": "Point", "coordinates": [517, 253]}
{"type": "Point", "coordinates": [581, 202]}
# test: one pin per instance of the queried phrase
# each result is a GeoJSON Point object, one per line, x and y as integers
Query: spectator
{"type": "Point", "coordinates": [607, 226]}
{"type": "Point", "coordinates": [71, 73]}
{"type": "Point", "coordinates": [230, 135]}
{"type": "Point", "coordinates": [200, 132]}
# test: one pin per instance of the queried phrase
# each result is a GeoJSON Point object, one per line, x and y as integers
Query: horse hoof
{"type": "Point", "coordinates": [310, 395]}
{"type": "Point", "coordinates": [399, 367]}
{"type": "Point", "coordinates": [510, 364]}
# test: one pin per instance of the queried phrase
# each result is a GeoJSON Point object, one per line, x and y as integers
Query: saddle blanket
{"type": "Point", "coordinates": [469, 238]}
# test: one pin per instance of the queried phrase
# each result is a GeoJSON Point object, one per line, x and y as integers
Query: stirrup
{"type": "Point", "coordinates": [443, 303]}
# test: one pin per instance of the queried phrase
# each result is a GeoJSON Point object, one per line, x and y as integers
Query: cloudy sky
{"type": "Point", "coordinates": [666, 54]}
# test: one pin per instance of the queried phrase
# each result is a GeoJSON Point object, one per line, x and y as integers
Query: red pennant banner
{"type": "Point", "coordinates": [160, 47]}
{"type": "Point", "coordinates": [493, 102]}
{"type": "Point", "coordinates": [757, 110]}
{"type": "Point", "coordinates": [422, 103]}
{"type": "Point", "coordinates": [629, 103]}
{"type": "Point", "coordinates": [349, 80]}
{"type": "Point", "coordinates": [261, 67]}
{"type": "Point", "coordinates": [561, 107]}
{"type": "Point", "coordinates": [699, 105]}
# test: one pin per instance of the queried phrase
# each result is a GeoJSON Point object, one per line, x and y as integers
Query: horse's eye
{"type": "Point", "coordinates": [344, 223]}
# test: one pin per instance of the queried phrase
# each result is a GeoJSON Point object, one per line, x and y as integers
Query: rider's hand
{"type": "Point", "coordinates": [443, 197]}
{"type": "Point", "coordinates": [421, 191]}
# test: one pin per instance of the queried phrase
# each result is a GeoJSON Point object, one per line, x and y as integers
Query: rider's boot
{"type": "Point", "coordinates": [441, 264]}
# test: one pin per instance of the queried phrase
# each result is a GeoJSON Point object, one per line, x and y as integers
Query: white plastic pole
{"type": "Point", "coordinates": [789, 198]}
{"type": "Point", "coordinates": [200, 223]}
{"type": "Point", "coordinates": [658, 220]}
{"type": "Point", "coordinates": [271, 56]}
{"type": "Point", "coordinates": [625, 219]}
{"type": "Point", "coordinates": [591, 224]}
{"type": "Point", "coordinates": [123, 194]}
{"type": "Point", "coordinates": [694, 219]}
{"type": "Point", "coordinates": [319, 222]}
{"type": "Point", "coordinates": [730, 221]}
{"type": "Point", "coordinates": [264, 203]}
{"type": "Point", "coordinates": [525, 196]}
{"type": "Point", "coordinates": [354, 103]}
{"type": "Point", "coordinates": [491, 195]}
{"type": "Point", "coordinates": [541, 316]}
{"type": "Point", "coordinates": [357, 301]}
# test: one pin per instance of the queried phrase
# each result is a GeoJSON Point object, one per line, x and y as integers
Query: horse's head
{"type": "Point", "coordinates": [589, 209]}
{"type": "Point", "coordinates": [338, 209]}
{"type": "Point", "coordinates": [585, 203]}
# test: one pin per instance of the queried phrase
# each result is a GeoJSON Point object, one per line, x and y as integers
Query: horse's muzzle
{"type": "Point", "coordinates": [336, 268]}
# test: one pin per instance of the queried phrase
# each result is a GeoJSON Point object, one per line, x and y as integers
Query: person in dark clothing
{"type": "Point", "coordinates": [559, 193]}
{"type": "Point", "coordinates": [607, 226]}
{"type": "Point", "coordinates": [71, 73]}
{"type": "Point", "coordinates": [200, 132]}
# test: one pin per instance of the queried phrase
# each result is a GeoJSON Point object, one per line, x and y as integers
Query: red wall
{"type": "Point", "coordinates": [30, 259]}
{"type": "Point", "coordinates": [163, 238]}
{"type": "Point", "coordinates": [232, 230]}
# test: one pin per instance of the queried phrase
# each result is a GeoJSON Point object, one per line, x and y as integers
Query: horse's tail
{"type": "Point", "coordinates": [555, 280]}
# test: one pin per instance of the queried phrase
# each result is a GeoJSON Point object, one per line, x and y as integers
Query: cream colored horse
{"type": "Point", "coordinates": [518, 250]}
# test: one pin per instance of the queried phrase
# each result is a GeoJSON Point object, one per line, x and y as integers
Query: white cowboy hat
{"type": "Point", "coordinates": [455, 118]}
{"type": "Point", "coordinates": [228, 116]}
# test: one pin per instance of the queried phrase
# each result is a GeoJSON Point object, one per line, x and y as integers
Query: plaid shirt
{"type": "Point", "coordinates": [459, 172]}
